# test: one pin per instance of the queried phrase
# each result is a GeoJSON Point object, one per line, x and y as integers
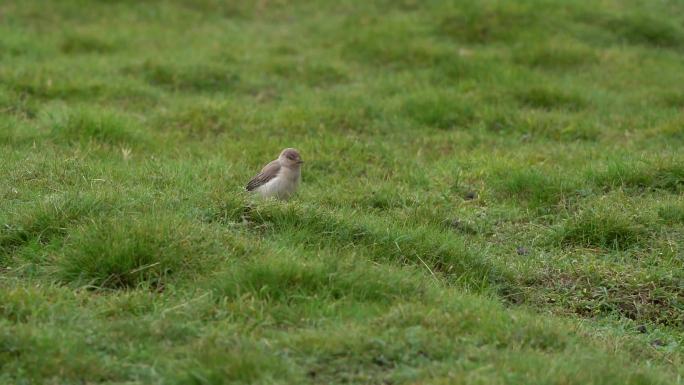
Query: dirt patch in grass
{"type": "Point", "coordinates": [627, 294]}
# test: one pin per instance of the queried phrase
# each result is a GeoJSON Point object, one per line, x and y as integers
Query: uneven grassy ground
{"type": "Point", "coordinates": [492, 193]}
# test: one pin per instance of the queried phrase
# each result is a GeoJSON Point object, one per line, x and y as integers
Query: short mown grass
{"type": "Point", "coordinates": [492, 192]}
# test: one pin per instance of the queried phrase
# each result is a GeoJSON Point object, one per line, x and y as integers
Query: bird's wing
{"type": "Point", "coordinates": [267, 173]}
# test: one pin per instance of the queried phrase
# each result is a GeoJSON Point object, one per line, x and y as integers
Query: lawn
{"type": "Point", "coordinates": [493, 192]}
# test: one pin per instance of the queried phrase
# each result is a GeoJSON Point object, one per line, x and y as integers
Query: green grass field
{"type": "Point", "coordinates": [493, 192]}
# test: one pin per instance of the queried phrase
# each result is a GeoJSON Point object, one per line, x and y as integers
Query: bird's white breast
{"type": "Point", "coordinates": [282, 186]}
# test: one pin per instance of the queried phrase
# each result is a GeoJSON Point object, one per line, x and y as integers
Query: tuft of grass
{"type": "Point", "coordinates": [16, 131]}
{"type": "Point", "coordinates": [18, 106]}
{"type": "Point", "coordinates": [556, 56]}
{"type": "Point", "coordinates": [550, 99]}
{"type": "Point", "coordinates": [85, 44]}
{"type": "Point", "coordinates": [640, 28]}
{"type": "Point", "coordinates": [384, 198]}
{"type": "Point", "coordinates": [444, 111]}
{"type": "Point", "coordinates": [188, 77]}
{"type": "Point", "coordinates": [34, 357]}
{"type": "Point", "coordinates": [359, 116]}
{"type": "Point", "coordinates": [235, 361]}
{"type": "Point", "coordinates": [477, 22]}
{"type": "Point", "coordinates": [31, 85]}
{"type": "Point", "coordinates": [204, 120]}
{"type": "Point", "coordinates": [440, 253]}
{"type": "Point", "coordinates": [673, 99]}
{"type": "Point", "coordinates": [22, 305]}
{"type": "Point", "coordinates": [393, 44]}
{"type": "Point", "coordinates": [559, 126]}
{"type": "Point", "coordinates": [83, 125]}
{"type": "Point", "coordinates": [49, 219]}
{"type": "Point", "coordinates": [604, 227]}
{"type": "Point", "coordinates": [291, 280]}
{"type": "Point", "coordinates": [311, 74]}
{"type": "Point", "coordinates": [127, 253]}
{"type": "Point", "coordinates": [633, 174]}
{"type": "Point", "coordinates": [672, 213]}
{"type": "Point", "coordinates": [532, 186]}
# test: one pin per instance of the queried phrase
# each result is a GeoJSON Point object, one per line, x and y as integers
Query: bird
{"type": "Point", "coordinates": [280, 178]}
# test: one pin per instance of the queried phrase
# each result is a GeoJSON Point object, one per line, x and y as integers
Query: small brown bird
{"type": "Point", "coordinates": [280, 178]}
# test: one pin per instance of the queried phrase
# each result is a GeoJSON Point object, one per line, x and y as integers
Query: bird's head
{"type": "Point", "coordinates": [290, 158]}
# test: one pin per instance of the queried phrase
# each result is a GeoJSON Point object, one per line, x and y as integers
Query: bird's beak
{"type": "Point", "coordinates": [300, 161]}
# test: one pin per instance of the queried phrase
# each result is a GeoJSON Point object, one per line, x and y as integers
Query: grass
{"type": "Point", "coordinates": [492, 192]}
